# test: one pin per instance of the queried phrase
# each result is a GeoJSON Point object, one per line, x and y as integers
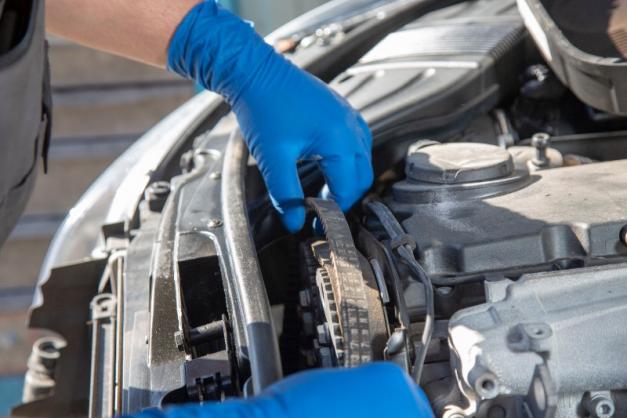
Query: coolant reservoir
{"type": "Point", "coordinates": [457, 171]}
{"type": "Point", "coordinates": [456, 163]}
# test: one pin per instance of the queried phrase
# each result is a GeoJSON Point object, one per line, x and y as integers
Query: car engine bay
{"type": "Point", "coordinates": [488, 260]}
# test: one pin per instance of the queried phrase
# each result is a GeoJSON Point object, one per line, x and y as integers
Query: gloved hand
{"type": "Point", "coordinates": [285, 114]}
{"type": "Point", "coordinates": [374, 391]}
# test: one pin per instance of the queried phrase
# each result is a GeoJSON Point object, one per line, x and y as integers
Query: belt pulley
{"type": "Point", "coordinates": [348, 292]}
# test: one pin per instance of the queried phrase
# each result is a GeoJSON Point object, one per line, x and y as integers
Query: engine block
{"type": "Point", "coordinates": [557, 337]}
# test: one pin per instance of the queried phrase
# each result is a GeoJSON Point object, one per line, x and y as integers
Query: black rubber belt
{"type": "Point", "coordinates": [348, 283]}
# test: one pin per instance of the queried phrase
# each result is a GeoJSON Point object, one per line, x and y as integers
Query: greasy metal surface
{"type": "Point", "coordinates": [247, 282]}
{"type": "Point", "coordinates": [146, 384]}
{"type": "Point", "coordinates": [165, 311]}
{"type": "Point", "coordinates": [572, 321]}
{"type": "Point", "coordinates": [196, 201]}
{"type": "Point", "coordinates": [348, 283]}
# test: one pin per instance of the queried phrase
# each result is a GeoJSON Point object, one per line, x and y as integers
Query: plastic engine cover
{"type": "Point", "coordinates": [439, 71]}
{"type": "Point", "coordinates": [564, 215]}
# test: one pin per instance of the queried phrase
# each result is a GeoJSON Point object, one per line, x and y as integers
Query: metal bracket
{"type": "Point", "coordinates": [541, 401]}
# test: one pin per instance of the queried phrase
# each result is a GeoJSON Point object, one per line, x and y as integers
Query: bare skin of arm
{"type": "Point", "coordinates": [136, 29]}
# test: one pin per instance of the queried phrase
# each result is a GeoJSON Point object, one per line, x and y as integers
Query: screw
{"type": "Point", "coordinates": [156, 195]}
{"type": "Point", "coordinates": [215, 223]}
{"type": "Point", "coordinates": [159, 189]}
{"type": "Point", "coordinates": [540, 142]}
{"type": "Point", "coordinates": [602, 406]}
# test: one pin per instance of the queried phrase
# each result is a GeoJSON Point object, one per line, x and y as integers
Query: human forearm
{"type": "Point", "coordinates": [137, 29]}
{"type": "Point", "coordinates": [285, 114]}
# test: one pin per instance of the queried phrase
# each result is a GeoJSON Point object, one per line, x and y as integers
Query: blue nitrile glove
{"type": "Point", "coordinates": [373, 391]}
{"type": "Point", "coordinates": [285, 114]}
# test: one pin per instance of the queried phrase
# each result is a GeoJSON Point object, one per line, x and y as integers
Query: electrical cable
{"type": "Point", "coordinates": [404, 247]}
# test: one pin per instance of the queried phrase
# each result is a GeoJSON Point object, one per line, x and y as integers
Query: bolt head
{"type": "Point", "coordinates": [540, 140]}
{"type": "Point", "coordinates": [156, 195]}
{"type": "Point", "coordinates": [603, 407]}
{"type": "Point", "coordinates": [159, 188]}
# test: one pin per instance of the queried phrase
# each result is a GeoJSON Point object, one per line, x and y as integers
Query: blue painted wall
{"type": "Point", "coordinates": [10, 393]}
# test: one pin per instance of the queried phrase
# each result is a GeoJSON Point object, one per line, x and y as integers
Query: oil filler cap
{"type": "Point", "coordinates": [456, 163]}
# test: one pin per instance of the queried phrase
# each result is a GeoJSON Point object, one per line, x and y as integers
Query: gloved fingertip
{"type": "Point", "coordinates": [293, 218]}
{"type": "Point", "coordinates": [365, 173]}
{"type": "Point", "coordinates": [366, 132]}
{"type": "Point", "coordinates": [385, 370]}
{"type": "Point", "coordinates": [344, 201]}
